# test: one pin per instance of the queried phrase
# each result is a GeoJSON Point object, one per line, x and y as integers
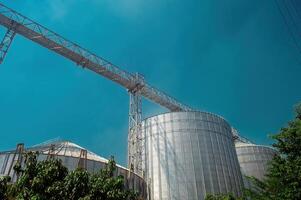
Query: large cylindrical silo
{"type": "Point", "coordinates": [188, 155]}
{"type": "Point", "coordinates": [253, 159]}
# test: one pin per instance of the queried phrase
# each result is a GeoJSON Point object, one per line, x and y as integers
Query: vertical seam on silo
{"type": "Point", "coordinates": [202, 167]}
{"type": "Point", "coordinates": [238, 173]}
{"type": "Point", "coordinates": [145, 147]}
{"type": "Point", "coordinates": [214, 166]}
{"type": "Point", "coordinates": [221, 162]}
{"type": "Point", "coordinates": [191, 151]}
{"type": "Point", "coordinates": [234, 168]}
{"type": "Point", "coordinates": [152, 158]}
{"type": "Point", "coordinates": [184, 153]}
{"type": "Point", "coordinates": [175, 160]}
{"type": "Point", "coordinates": [255, 160]}
{"type": "Point", "coordinates": [4, 164]}
{"type": "Point", "coordinates": [229, 181]}
{"type": "Point", "coordinates": [158, 156]}
{"type": "Point", "coordinates": [207, 161]}
{"type": "Point", "coordinates": [7, 164]}
{"type": "Point", "coordinates": [144, 150]}
{"type": "Point", "coordinates": [218, 156]}
{"type": "Point", "coordinates": [234, 189]}
{"type": "Point", "coordinates": [166, 155]}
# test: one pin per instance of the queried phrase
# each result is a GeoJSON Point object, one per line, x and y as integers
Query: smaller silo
{"type": "Point", "coordinates": [253, 159]}
{"type": "Point", "coordinates": [72, 157]}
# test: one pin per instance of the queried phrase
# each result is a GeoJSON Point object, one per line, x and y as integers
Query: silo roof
{"type": "Point", "coordinates": [65, 148]}
{"type": "Point", "coordinates": [61, 147]}
{"type": "Point", "coordinates": [242, 144]}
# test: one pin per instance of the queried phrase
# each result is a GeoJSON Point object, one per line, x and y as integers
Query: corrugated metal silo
{"type": "Point", "coordinates": [253, 159]}
{"type": "Point", "coordinates": [188, 155]}
{"type": "Point", "coordinates": [71, 156]}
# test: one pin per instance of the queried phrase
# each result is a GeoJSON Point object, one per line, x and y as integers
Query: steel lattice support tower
{"type": "Point", "coordinates": [135, 138]}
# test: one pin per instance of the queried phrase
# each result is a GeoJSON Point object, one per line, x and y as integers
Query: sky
{"type": "Point", "coordinates": [235, 58]}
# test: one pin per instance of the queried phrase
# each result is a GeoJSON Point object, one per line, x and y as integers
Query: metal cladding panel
{"type": "Point", "coordinates": [188, 155]}
{"type": "Point", "coordinates": [253, 159]}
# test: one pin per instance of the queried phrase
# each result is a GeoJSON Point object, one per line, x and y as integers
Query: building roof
{"type": "Point", "coordinates": [64, 148]}
{"type": "Point", "coordinates": [60, 147]}
{"type": "Point", "coordinates": [243, 144]}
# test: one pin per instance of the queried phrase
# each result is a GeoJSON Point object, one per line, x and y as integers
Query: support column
{"type": "Point", "coordinates": [135, 148]}
{"type": "Point", "coordinates": [17, 159]}
{"type": "Point", "coordinates": [83, 158]}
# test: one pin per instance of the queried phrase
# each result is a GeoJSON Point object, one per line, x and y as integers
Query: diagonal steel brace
{"type": "Point", "coordinates": [6, 42]}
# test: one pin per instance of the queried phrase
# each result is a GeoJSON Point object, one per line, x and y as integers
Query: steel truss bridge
{"type": "Point", "coordinates": [16, 23]}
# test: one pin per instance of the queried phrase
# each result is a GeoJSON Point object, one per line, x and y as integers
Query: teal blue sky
{"type": "Point", "coordinates": [235, 58]}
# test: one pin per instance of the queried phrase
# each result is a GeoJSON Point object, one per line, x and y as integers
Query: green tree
{"type": "Point", "coordinates": [221, 197]}
{"type": "Point", "coordinates": [77, 184]}
{"type": "Point", "coordinates": [50, 180]}
{"type": "Point", "coordinates": [4, 187]}
{"type": "Point", "coordinates": [283, 178]}
{"type": "Point", "coordinates": [38, 178]}
{"type": "Point", "coordinates": [104, 185]}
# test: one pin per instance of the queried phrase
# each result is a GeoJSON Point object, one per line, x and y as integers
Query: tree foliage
{"type": "Point", "coordinates": [4, 187]}
{"type": "Point", "coordinates": [283, 177]}
{"type": "Point", "coordinates": [221, 197]}
{"type": "Point", "coordinates": [50, 180]}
